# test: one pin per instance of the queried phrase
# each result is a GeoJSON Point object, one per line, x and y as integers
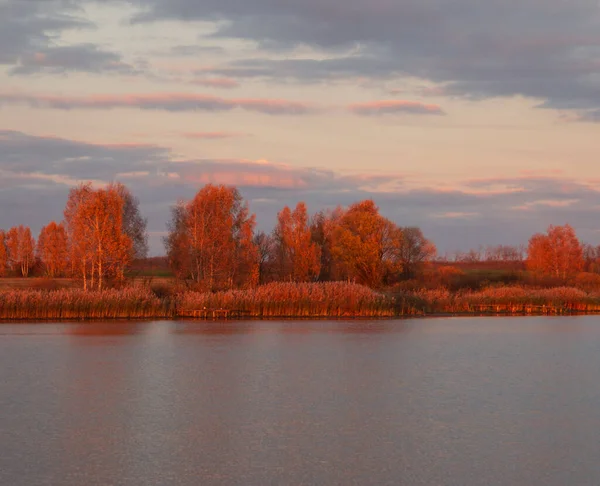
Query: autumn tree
{"type": "Point", "coordinates": [265, 246]}
{"type": "Point", "coordinates": [20, 246]}
{"type": "Point", "coordinates": [591, 258]}
{"type": "Point", "coordinates": [557, 253]}
{"type": "Point", "coordinates": [52, 249]}
{"type": "Point", "coordinates": [415, 251]}
{"type": "Point", "coordinates": [297, 254]}
{"type": "Point", "coordinates": [134, 225]}
{"type": "Point", "coordinates": [78, 261]}
{"type": "Point", "coordinates": [210, 240]}
{"type": "Point", "coordinates": [367, 245]}
{"type": "Point", "coordinates": [3, 254]}
{"type": "Point", "coordinates": [98, 245]}
{"type": "Point", "coordinates": [322, 229]}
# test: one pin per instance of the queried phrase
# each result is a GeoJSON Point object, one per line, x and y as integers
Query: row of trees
{"type": "Point", "coordinates": [212, 241]}
{"type": "Point", "coordinates": [102, 232]}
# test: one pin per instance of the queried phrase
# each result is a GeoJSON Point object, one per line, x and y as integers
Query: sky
{"type": "Point", "coordinates": [478, 121]}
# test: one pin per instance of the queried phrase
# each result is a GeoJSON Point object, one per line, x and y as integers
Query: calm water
{"type": "Point", "coordinates": [506, 401]}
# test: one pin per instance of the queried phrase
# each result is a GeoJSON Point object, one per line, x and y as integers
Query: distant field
{"type": "Point", "coordinates": [11, 283]}
{"type": "Point", "coordinates": [38, 283]}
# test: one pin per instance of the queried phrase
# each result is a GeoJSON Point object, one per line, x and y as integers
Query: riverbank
{"type": "Point", "coordinates": [291, 300]}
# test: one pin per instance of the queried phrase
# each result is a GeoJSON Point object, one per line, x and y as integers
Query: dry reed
{"type": "Point", "coordinates": [130, 303]}
{"type": "Point", "coordinates": [327, 299]}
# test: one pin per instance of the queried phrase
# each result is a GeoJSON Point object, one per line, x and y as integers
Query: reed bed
{"type": "Point", "coordinates": [327, 299]}
{"type": "Point", "coordinates": [512, 299]}
{"type": "Point", "coordinates": [292, 300]}
{"type": "Point", "coordinates": [129, 303]}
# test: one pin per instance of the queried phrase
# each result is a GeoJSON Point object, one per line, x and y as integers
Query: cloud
{"type": "Point", "coordinates": [80, 57]}
{"type": "Point", "coordinates": [225, 83]}
{"type": "Point", "coordinates": [541, 49]}
{"type": "Point", "coordinates": [212, 135]}
{"type": "Point", "coordinates": [38, 157]}
{"type": "Point", "coordinates": [194, 50]}
{"type": "Point", "coordinates": [29, 31]}
{"type": "Point", "coordinates": [36, 172]}
{"type": "Point", "coordinates": [592, 116]}
{"type": "Point", "coordinates": [391, 107]}
{"type": "Point", "coordinates": [175, 102]}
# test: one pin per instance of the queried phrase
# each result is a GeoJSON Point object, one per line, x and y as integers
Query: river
{"type": "Point", "coordinates": [456, 401]}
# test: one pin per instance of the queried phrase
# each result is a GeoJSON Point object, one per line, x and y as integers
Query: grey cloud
{"type": "Point", "coordinates": [33, 192]}
{"type": "Point", "coordinates": [29, 31]}
{"type": "Point", "coordinates": [544, 49]}
{"type": "Point", "coordinates": [194, 50]}
{"type": "Point", "coordinates": [80, 57]}
{"type": "Point", "coordinates": [29, 156]}
{"type": "Point", "coordinates": [175, 102]}
{"type": "Point", "coordinates": [392, 107]}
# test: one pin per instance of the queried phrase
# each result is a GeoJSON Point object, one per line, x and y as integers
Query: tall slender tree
{"type": "Point", "coordinates": [99, 246]}
{"type": "Point", "coordinates": [52, 249]}
{"type": "Point", "coordinates": [299, 256]}
{"type": "Point", "coordinates": [134, 225]}
{"type": "Point", "coordinates": [20, 245]}
{"type": "Point", "coordinates": [3, 255]}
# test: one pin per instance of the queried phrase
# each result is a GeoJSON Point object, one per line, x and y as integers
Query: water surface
{"type": "Point", "coordinates": [461, 401]}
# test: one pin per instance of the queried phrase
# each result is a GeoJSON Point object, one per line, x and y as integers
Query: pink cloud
{"type": "Point", "coordinates": [386, 107]}
{"type": "Point", "coordinates": [175, 102]}
{"type": "Point", "coordinates": [212, 135]}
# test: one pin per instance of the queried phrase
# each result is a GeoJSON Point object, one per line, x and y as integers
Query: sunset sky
{"type": "Point", "coordinates": [477, 120]}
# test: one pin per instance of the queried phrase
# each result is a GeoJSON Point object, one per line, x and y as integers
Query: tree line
{"type": "Point", "coordinates": [100, 235]}
{"type": "Point", "coordinates": [212, 241]}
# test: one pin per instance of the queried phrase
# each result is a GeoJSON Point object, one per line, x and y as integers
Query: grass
{"type": "Point", "coordinates": [327, 299]}
{"type": "Point", "coordinates": [131, 303]}
{"type": "Point", "coordinates": [509, 299]}
{"type": "Point", "coordinates": [293, 300]}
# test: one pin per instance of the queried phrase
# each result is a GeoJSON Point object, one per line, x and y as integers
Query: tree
{"type": "Point", "coordinates": [20, 246]}
{"type": "Point", "coordinates": [52, 249]}
{"type": "Point", "coordinates": [265, 246]}
{"type": "Point", "coordinates": [367, 245]}
{"type": "Point", "coordinates": [78, 260]}
{"type": "Point", "coordinates": [211, 240]}
{"type": "Point", "coordinates": [134, 225]}
{"type": "Point", "coordinates": [591, 257]}
{"type": "Point", "coordinates": [415, 250]}
{"type": "Point", "coordinates": [298, 255]}
{"type": "Point", "coordinates": [3, 254]}
{"type": "Point", "coordinates": [504, 253]}
{"type": "Point", "coordinates": [99, 247]}
{"type": "Point", "coordinates": [322, 229]}
{"type": "Point", "coordinates": [557, 253]}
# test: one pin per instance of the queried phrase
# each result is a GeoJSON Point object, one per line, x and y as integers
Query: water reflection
{"type": "Point", "coordinates": [107, 328]}
{"type": "Point", "coordinates": [423, 402]}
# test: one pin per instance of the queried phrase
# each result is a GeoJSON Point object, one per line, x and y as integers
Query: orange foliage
{"type": "Point", "coordinates": [557, 253]}
{"type": "Point", "coordinates": [211, 240]}
{"type": "Point", "coordinates": [52, 249]}
{"type": "Point", "coordinates": [367, 244]}
{"type": "Point", "coordinates": [298, 255]}
{"type": "Point", "coordinates": [98, 245]}
{"type": "Point", "coordinates": [3, 254]}
{"type": "Point", "coordinates": [20, 246]}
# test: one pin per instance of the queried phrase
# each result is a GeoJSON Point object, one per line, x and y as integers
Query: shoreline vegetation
{"type": "Point", "coordinates": [343, 262]}
{"type": "Point", "coordinates": [290, 300]}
